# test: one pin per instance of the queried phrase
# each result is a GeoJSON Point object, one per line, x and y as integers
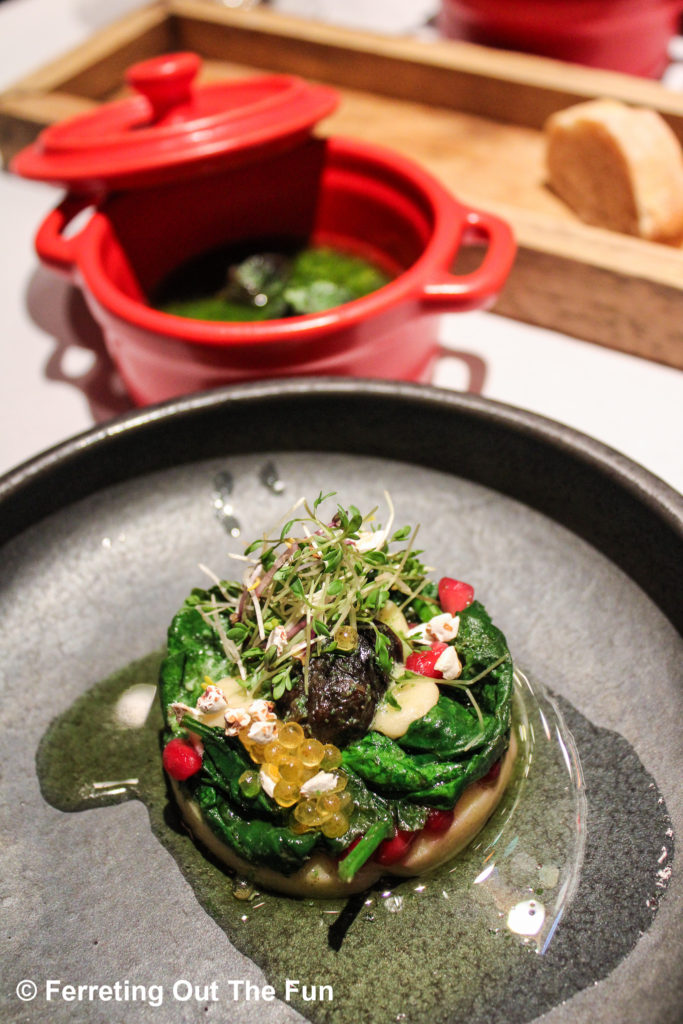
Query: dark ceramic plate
{"type": "Point", "coordinates": [577, 554]}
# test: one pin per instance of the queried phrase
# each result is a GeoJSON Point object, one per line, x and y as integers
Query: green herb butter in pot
{"type": "Point", "coordinates": [267, 282]}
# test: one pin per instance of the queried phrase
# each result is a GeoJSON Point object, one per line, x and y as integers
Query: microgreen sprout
{"type": "Point", "coordinates": [311, 576]}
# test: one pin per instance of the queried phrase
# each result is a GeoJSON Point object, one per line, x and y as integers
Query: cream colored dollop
{"type": "Point", "coordinates": [415, 696]}
{"type": "Point", "coordinates": [235, 696]}
{"type": "Point", "coordinates": [394, 618]}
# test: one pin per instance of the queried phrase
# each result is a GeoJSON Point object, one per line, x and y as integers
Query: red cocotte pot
{"type": "Point", "coordinates": [178, 171]}
{"type": "Point", "coordinates": [621, 35]}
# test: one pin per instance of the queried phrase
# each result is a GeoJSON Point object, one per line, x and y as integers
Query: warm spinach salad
{"type": "Point", "coordinates": [231, 285]}
{"type": "Point", "coordinates": [334, 698]}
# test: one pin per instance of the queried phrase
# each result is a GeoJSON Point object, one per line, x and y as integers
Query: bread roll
{"type": "Point", "coordinates": [618, 167]}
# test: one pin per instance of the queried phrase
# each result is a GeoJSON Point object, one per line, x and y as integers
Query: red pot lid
{"type": "Point", "coordinates": [173, 129]}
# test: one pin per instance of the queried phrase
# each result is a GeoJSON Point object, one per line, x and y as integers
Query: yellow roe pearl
{"type": "Point", "coordinates": [290, 735]}
{"type": "Point", "coordinates": [275, 752]}
{"type": "Point", "coordinates": [290, 769]}
{"type": "Point", "coordinates": [307, 813]}
{"type": "Point", "coordinates": [347, 638]}
{"type": "Point", "coordinates": [257, 752]}
{"type": "Point", "coordinates": [328, 803]}
{"type": "Point", "coordinates": [342, 780]}
{"type": "Point", "coordinates": [272, 771]}
{"type": "Point", "coordinates": [249, 782]}
{"type": "Point", "coordinates": [285, 794]}
{"type": "Point", "coordinates": [311, 753]}
{"type": "Point", "coordinates": [331, 757]}
{"type": "Point", "coordinates": [345, 802]}
{"type": "Point", "coordinates": [336, 825]}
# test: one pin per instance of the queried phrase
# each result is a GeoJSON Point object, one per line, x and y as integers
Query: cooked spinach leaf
{"type": "Point", "coordinates": [408, 816]}
{"type": "Point", "coordinates": [448, 779]}
{"type": "Point", "coordinates": [381, 763]}
{"type": "Point", "coordinates": [479, 642]}
{"type": "Point", "coordinates": [256, 841]}
{"type": "Point", "coordinates": [194, 651]}
{"type": "Point", "coordinates": [449, 729]}
{"type": "Point", "coordinates": [224, 762]}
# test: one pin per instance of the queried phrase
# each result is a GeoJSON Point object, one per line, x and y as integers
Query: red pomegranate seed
{"type": "Point", "coordinates": [454, 595]}
{"type": "Point", "coordinates": [350, 847]}
{"type": "Point", "coordinates": [181, 760]}
{"type": "Point", "coordinates": [492, 774]}
{"type": "Point", "coordinates": [423, 662]}
{"type": "Point", "coordinates": [391, 850]}
{"type": "Point", "coordinates": [439, 822]}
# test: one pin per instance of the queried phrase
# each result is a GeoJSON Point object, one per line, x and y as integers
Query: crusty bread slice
{"type": "Point", "coordinates": [618, 167]}
{"type": "Point", "coordinates": [319, 876]}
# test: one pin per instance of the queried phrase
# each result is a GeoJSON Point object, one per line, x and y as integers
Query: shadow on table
{"type": "Point", "coordinates": [79, 357]}
{"type": "Point", "coordinates": [460, 370]}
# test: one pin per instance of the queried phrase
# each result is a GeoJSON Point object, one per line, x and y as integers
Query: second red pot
{"type": "Point", "coordinates": [621, 35]}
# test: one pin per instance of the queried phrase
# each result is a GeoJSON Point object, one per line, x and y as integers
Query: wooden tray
{"type": "Point", "coordinates": [473, 116]}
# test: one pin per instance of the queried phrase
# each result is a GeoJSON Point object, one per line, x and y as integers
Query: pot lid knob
{"type": "Point", "coordinates": [165, 81]}
{"type": "Point", "coordinates": [174, 128]}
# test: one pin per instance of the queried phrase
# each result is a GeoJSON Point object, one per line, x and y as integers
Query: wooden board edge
{"type": "Point", "coordinates": [73, 82]}
{"type": "Point", "coordinates": [516, 87]}
{"type": "Point", "coordinates": [101, 45]}
{"type": "Point", "coordinates": [625, 255]}
{"type": "Point", "coordinates": [635, 316]}
{"type": "Point", "coordinates": [594, 285]}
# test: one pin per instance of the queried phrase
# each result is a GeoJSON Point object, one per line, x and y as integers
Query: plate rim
{"type": "Point", "coordinates": [654, 510]}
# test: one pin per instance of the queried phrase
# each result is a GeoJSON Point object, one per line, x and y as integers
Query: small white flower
{"type": "Point", "coordinates": [262, 711]}
{"type": "Point", "coordinates": [179, 709]}
{"type": "Point", "coordinates": [370, 540]}
{"type": "Point", "coordinates": [236, 719]}
{"type": "Point", "coordinates": [442, 627]}
{"type": "Point", "coordinates": [262, 732]}
{"type": "Point", "coordinates": [213, 699]}
{"type": "Point", "coordinates": [448, 664]}
{"type": "Point", "coordinates": [277, 639]}
{"type": "Point", "coordinates": [267, 782]}
{"type": "Point", "coordinates": [323, 782]}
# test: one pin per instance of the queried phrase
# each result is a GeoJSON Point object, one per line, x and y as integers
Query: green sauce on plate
{"type": "Point", "coordinates": [429, 949]}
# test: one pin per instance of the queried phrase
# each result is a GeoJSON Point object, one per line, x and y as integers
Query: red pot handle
{"type": "Point", "coordinates": [56, 252]}
{"type": "Point", "coordinates": [480, 288]}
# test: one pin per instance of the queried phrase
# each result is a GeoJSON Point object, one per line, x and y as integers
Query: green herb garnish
{"type": "Point", "coordinates": [363, 850]}
{"type": "Point", "coordinates": [306, 582]}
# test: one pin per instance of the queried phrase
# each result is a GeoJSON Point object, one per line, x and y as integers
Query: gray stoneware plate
{"type": "Point", "coordinates": [577, 554]}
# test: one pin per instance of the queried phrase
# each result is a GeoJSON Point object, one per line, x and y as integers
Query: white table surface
{"type": "Point", "coordinates": [53, 382]}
